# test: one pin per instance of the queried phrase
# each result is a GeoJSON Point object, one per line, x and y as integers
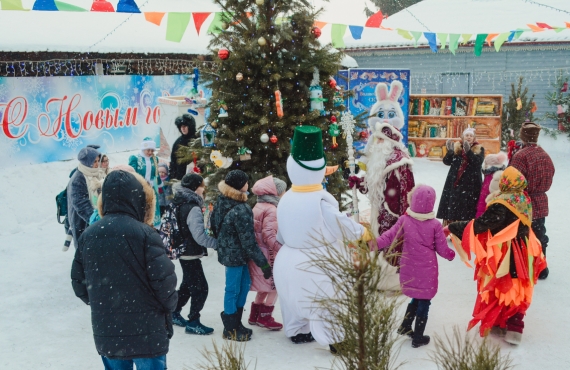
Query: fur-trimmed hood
{"type": "Point", "coordinates": [458, 148]}
{"type": "Point", "coordinates": [421, 200]}
{"type": "Point", "coordinates": [127, 193]}
{"type": "Point", "coordinates": [231, 193]}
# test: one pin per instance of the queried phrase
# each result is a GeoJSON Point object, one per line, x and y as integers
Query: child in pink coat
{"type": "Point", "coordinates": [268, 190]}
{"type": "Point", "coordinates": [493, 167]}
{"type": "Point", "coordinates": [423, 238]}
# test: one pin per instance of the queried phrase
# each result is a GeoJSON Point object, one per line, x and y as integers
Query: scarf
{"type": "Point", "coordinates": [420, 216]}
{"type": "Point", "coordinates": [513, 196]}
{"type": "Point", "coordinates": [464, 163]}
{"type": "Point", "coordinates": [94, 178]}
{"type": "Point", "coordinates": [272, 199]}
{"type": "Point", "coordinates": [148, 167]}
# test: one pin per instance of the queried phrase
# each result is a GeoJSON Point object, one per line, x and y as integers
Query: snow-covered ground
{"type": "Point", "coordinates": [43, 325]}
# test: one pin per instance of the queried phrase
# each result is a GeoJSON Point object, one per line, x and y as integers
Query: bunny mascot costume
{"type": "Point", "coordinates": [309, 222]}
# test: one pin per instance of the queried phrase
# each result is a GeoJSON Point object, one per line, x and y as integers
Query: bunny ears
{"type": "Point", "coordinates": [396, 89]}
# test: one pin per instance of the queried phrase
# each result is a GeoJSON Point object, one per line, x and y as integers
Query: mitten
{"type": "Point", "coordinates": [267, 273]}
{"type": "Point", "coordinates": [449, 145]}
{"type": "Point", "coordinates": [446, 231]}
{"type": "Point", "coordinates": [466, 146]}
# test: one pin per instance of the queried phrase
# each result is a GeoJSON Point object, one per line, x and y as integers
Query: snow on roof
{"type": "Point", "coordinates": [469, 17]}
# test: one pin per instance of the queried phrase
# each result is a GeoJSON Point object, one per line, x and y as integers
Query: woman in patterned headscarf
{"type": "Point", "coordinates": [507, 255]}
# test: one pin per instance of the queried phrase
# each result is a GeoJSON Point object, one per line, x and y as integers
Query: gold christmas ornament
{"type": "Point", "coordinates": [262, 41]}
{"type": "Point", "coordinates": [260, 2]}
{"type": "Point", "coordinates": [225, 26]}
{"type": "Point", "coordinates": [239, 76]}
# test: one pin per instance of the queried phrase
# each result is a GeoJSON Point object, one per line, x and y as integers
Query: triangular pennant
{"type": "Point", "coordinates": [430, 36]}
{"type": "Point", "coordinates": [12, 5]}
{"type": "Point", "coordinates": [559, 29]}
{"type": "Point", "coordinates": [46, 5]}
{"type": "Point", "coordinates": [216, 25]}
{"type": "Point", "coordinates": [102, 6]}
{"type": "Point", "coordinates": [453, 42]}
{"type": "Point", "coordinates": [320, 24]}
{"type": "Point", "coordinates": [176, 25]}
{"type": "Point", "coordinates": [65, 7]}
{"type": "Point", "coordinates": [405, 34]}
{"type": "Point", "coordinates": [442, 37]}
{"type": "Point", "coordinates": [337, 35]}
{"type": "Point", "coordinates": [490, 38]}
{"type": "Point", "coordinates": [544, 25]}
{"type": "Point", "coordinates": [500, 40]}
{"type": "Point", "coordinates": [199, 19]}
{"type": "Point", "coordinates": [465, 37]}
{"type": "Point", "coordinates": [479, 42]}
{"type": "Point", "coordinates": [535, 28]}
{"type": "Point", "coordinates": [375, 20]}
{"type": "Point", "coordinates": [567, 24]}
{"type": "Point", "coordinates": [511, 36]}
{"type": "Point", "coordinates": [417, 36]}
{"type": "Point", "coordinates": [518, 34]}
{"type": "Point", "coordinates": [154, 17]}
{"type": "Point", "coordinates": [127, 6]}
{"type": "Point", "coordinates": [356, 32]}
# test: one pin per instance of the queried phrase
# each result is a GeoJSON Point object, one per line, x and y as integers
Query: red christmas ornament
{"type": "Point", "coordinates": [364, 134]}
{"type": "Point", "coordinates": [334, 145]}
{"type": "Point", "coordinates": [332, 83]}
{"type": "Point", "coordinates": [333, 119]}
{"type": "Point", "coordinates": [564, 87]}
{"type": "Point", "coordinates": [273, 139]}
{"type": "Point", "coordinates": [316, 31]}
{"type": "Point", "coordinates": [223, 54]}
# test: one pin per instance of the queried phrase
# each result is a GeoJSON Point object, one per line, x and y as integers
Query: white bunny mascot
{"type": "Point", "coordinates": [388, 166]}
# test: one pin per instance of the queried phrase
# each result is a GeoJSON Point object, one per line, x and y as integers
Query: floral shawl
{"type": "Point", "coordinates": [513, 195]}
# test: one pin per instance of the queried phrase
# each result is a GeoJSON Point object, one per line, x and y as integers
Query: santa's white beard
{"type": "Point", "coordinates": [377, 155]}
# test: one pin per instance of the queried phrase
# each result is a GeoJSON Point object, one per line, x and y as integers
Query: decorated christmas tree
{"type": "Point", "coordinates": [273, 74]}
{"type": "Point", "coordinates": [560, 99]}
{"type": "Point", "coordinates": [516, 111]}
{"type": "Point", "coordinates": [389, 7]}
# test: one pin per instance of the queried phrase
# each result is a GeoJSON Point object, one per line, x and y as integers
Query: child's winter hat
{"type": "Point", "coordinates": [422, 199]}
{"type": "Point", "coordinates": [148, 143]}
{"type": "Point", "coordinates": [236, 179]}
{"type": "Point", "coordinates": [469, 130]}
{"type": "Point", "coordinates": [280, 185]}
{"type": "Point", "coordinates": [529, 132]}
{"type": "Point", "coordinates": [495, 160]}
{"type": "Point", "coordinates": [87, 156]}
{"type": "Point", "coordinates": [192, 181]}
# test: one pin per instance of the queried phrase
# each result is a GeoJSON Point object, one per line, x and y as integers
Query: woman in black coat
{"type": "Point", "coordinates": [463, 184]}
{"type": "Point", "coordinates": [187, 127]}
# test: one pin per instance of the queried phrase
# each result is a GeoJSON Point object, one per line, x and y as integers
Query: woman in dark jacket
{"type": "Point", "coordinates": [121, 270]}
{"type": "Point", "coordinates": [463, 184]}
{"type": "Point", "coordinates": [232, 225]}
{"type": "Point", "coordinates": [187, 127]}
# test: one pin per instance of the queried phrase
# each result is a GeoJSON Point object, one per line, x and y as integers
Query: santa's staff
{"type": "Point", "coordinates": [347, 123]}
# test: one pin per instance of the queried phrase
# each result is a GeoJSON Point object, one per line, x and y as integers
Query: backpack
{"type": "Point", "coordinates": [61, 202]}
{"type": "Point", "coordinates": [174, 242]}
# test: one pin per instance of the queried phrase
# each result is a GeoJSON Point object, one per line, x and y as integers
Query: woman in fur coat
{"type": "Point", "coordinates": [463, 184]}
{"type": "Point", "coordinates": [493, 167]}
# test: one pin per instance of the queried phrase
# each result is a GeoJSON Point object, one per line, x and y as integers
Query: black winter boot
{"type": "Point", "coordinates": [232, 330]}
{"type": "Point", "coordinates": [240, 314]}
{"type": "Point", "coordinates": [302, 338]}
{"type": "Point", "coordinates": [419, 338]}
{"type": "Point", "coordinates": [406, 327]}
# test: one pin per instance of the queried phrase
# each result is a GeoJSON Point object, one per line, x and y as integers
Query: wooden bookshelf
{"type": "Point", "coordinates": [433, 119]}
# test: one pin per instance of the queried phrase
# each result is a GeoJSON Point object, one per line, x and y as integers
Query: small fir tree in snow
{"type": "Point", "coordinates": [516, 111]}
{"type": "Point", "coordinates": [560, 99]}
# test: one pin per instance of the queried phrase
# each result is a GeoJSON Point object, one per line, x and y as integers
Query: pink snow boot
{"type": "Point", "coordinates": [265, 319]}
{"type": "Point", "coordinates": [254, 314]}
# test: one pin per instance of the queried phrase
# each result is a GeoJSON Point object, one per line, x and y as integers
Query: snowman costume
{"type": "Point", "coordinates": [309, 222]}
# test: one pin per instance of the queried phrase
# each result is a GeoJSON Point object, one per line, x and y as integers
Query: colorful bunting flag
{"type": "Point", "coordinates": [199, 19]}
{"type": "Point", "coordinates": [216, 25]}
{"type": "Point", "coordinates": [356, 32]}
{"type": "Point", "coordinates": [567, 24]}
{"type": "Point", "coordinates": [479, 42]}
{"type": "Point", "coordinates": [176, 25]}
{"type": "Point", "coordinates": [46, 5]}
{"type": "Point", "coordinates": [430, 36]}
{"type": "Point", "coordinates": [375, 20]}
{"type": "Point", "coordinates": [337, 35]}
{"type": "Point", "coordinates": [490, 38]}
{"type": "Point", "coordinates": [154, 17]}
{"type": "Point", "coordinates": [65, 7]}
{"type": "Point", "coordinates": [453, 42]}
{"type": "Point", "coordinates": [102, 6]}
{"type": "Point", "coordinates": [127, 6]}
{"type": "Point", "coordinates": [500, 40]}
{"type": "Point", "coordinates": [559, 29]}
{"type": "Point", "coordinates": [465, 38]}
{"type": "Point", "coordinates": [535, 28]}
{"type": "Point", "coordinates": [417, 36]}
{"type": "Point", "coordinates": [12, 5]}
{"type": "Point", "coordinates": [442, 37]}
{"type": "Point", "coordinates": [518, 33]}
{"type": "Point", "coordinates": [544, 25]}
{"type": "Point", "coordinates": [405, 34]}
{"type": "Point", "coordinates": [320, 24]}
{"type": "Point", "coordinates": [511, 36]}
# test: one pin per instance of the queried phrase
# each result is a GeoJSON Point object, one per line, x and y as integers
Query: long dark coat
{"type": "Point", "coordinates": [121, 270]}
{"type": "Point", "coordinates": [459, 203]}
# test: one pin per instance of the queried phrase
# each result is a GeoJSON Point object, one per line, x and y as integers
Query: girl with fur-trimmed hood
{"type": "Point", "coordinates": [463, 184]}
{"type": "Point", "coordinates": [232, 225]}
{"type": "Point", "coordinates": [493, 167]}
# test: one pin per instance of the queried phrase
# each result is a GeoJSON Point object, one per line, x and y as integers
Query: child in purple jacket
{"type": "Point", "coordinates": [423, 237]}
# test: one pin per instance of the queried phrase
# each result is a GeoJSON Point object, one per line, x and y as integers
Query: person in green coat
{"type": "Point", "coordinates": [146, 165]}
